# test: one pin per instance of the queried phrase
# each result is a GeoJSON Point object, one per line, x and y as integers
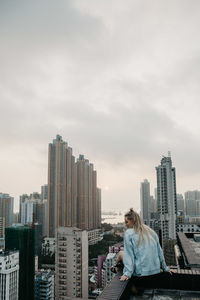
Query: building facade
{"type": "Point", "coordinates": [145, 200]}
{"type": "Point", "coordinates": [44, 285]}
{"type": "Point", "coordinates": [180, 203]}
{"type": "Point", "coordinates": [21, 238]}
{"type": "Point", "coordinates": [6, 208]}
{"type": "Point", "coordinates": [88, 196]}
{"type": "Point", "coordinates": [106, 273]}
{"type": "Point", "coordinates": [62, 199]}
{"type": "Point", "coordinates": [71, 263]}
{"type": "Point", "coordinates": [2, 227]}
{"type": "Point", "coordinates": [9, 275]}
{"type": "Point", "coordinates": [73, 197]}
{"type": "Point", "coordinates": [167, 203]}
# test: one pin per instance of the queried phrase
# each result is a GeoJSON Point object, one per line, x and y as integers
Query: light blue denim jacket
{"type": "Point", "coordinates": [144, 259]}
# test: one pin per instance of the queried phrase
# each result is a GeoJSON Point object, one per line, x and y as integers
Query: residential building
{"type": "Point", "coordinates": [145, 200]}
{"type": "Point", "coordinates": [166, 194]}
{"type": "Point", "coordinates": [191, 207]}
{"type": "Point", "coordinates": [9, 275]}
{"type": "Point", "coordinates": [73, 197]}
{"type": "Point", "coordinates": [88, 196]}
{"type": "Point", "coordinates": [44, 285]}
{"type": "Point", "coordinates": [192, 199]}
{"type": "Point", "coordinates": [71, 263]}
{"type": "Point", "coordinates": [21, 238]}
{"type": "Point", "coordinates": [188, 227]}
{"type": "Point", "coordinates": [6, 208]}
{"type": "Point", "coordinates": [192, 195]}
{"type": "Point", "coordinates": [94, 236]}
{"type": "Point", "coordinates": [48, 247]}
{"type": "Point", "coordinates": [16, 218]}
{"type": "Point", "coordinates": [107, 274]}
{"type": "Point", "coordinates": [2, 227]}
{"type": "Point", "coordinates": [44, 192]}
{"type": "Point", "coordinates": [62, 199]}
{"type": "Point", "coordinates": [180, 203]}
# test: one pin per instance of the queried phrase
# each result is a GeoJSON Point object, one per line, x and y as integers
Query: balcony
{"type": "Point", "coordinates": [183, 284]}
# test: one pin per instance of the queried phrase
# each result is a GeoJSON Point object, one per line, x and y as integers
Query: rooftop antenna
{"type": "Point", "coordinates": [169, 153]}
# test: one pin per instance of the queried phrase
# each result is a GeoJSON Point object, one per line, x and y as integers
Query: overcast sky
{"type": "Point", "coordinates": [119, 80]}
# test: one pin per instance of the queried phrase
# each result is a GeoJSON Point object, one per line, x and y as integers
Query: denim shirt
{"type": "Point", "coordinates": [143, 259]}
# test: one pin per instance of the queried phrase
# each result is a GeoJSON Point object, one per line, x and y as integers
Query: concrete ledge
{"type": "Point", "coordinates": [187, 280]}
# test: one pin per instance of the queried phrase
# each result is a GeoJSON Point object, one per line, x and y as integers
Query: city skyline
{"type": "Point", "coordinates": [119, 83]}
{"type": "Point", "coordinates": [109, 207]}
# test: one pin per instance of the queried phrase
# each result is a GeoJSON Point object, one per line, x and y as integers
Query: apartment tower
{"type": "Point", "coordinates": [87, 205]}
{"type": "Point", "coordinates": [71, 263]}
{"type": "Point", "coordinates": [6, 208]}
{"type": "Point", "coordinates": [145, 200]}
{"type": "Point", "coordinates": [166, 194]}
{"type": "Point", "coordinates": [61, 187]}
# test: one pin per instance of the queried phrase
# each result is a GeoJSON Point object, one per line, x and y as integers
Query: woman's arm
{"type": "Point", "coordinates": [128, 256]}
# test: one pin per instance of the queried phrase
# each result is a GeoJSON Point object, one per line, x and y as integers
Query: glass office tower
{"type": "Point", "coordinates": [22, 238]}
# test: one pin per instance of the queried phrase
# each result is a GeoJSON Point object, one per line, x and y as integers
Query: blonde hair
{"type": "Point", "coordinates": [139, 226]}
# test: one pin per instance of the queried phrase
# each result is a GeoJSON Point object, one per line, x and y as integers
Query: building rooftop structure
{"type": "Point", "coordinates": [190, 249]}
{"type": "Point", "coordinates": [183, 284]}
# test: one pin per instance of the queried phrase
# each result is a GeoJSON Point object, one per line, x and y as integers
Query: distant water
{"type": "Point", "coordinates": [113, 219]}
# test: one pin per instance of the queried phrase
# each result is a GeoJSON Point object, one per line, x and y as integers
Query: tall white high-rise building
{"type": "Point", "coordinates": [180, 202]}
{"type": "Point", "coordinates": [166, 193]}
{"type": "Point", "coordinates": [71, 263]}
{"type": "Point", "coordinates": [145, 200]}
{"type": "Point", "coordinates": [9, 275]}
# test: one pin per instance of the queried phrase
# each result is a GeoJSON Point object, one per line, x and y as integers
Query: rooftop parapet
{"type": "Point", "coordinates": [182, 282]}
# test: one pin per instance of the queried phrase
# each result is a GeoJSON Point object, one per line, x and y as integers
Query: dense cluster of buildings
{"type": "Point", "coordinates": [65, 217]}
{"type": "Point", "coordinates": [168, 212]}
{"type": "Point", "coordinates": [59, 222]}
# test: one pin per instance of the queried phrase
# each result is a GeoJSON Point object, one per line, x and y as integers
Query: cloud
{"type": "Point", "coordinates": [119, 82]}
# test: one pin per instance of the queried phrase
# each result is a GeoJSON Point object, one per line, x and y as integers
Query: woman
{"type": "Point", "coordinates": [142, 255]}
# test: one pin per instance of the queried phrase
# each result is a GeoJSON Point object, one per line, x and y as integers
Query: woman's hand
{"type": "Point", "coordinates": [171, 272]}
{"type": "Point", "coordinates": [124, 278]}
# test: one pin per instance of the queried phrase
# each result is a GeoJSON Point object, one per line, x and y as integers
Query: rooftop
{"type": "Point", "coordinates": [183, 284]}
{"type": "Point", "coordinates": [191, 249]}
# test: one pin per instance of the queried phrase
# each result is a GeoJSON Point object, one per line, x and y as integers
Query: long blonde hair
{"type": "Point", "coordinates": [139, 226]}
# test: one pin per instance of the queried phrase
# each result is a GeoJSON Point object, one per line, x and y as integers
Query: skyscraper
{"type": "Point", "coordinates": [180, 202]}
{"type": "Point", "coordinates": [71, 263]}
{"type": "Point", "coordinates": [73, 197]}
{"type": "Point", "coordinates": [98, 208]}
{"type": "Point", "coordinates": [145, 200]}
{"type": "Point", "coordinates": [166, 193]}
{"type": "Point", "coordinates": [61, 186]}
{"type": "Point", "coordinates": [44, 192]}
{"type": "Point", "coordinates": [6, 208]}
{"type": "Point", "coordinates": [22, 238]}
{"type": "Point", "coordinates": [88, 197]}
